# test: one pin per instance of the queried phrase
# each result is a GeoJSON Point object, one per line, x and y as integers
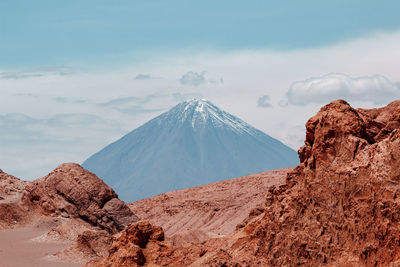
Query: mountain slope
{"type": "Point", "coordinates": [194, 143]}
{"type": "Point", "coordinates": [196, 214]}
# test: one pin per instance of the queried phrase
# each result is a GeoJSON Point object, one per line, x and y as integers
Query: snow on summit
{"type": "Point", "coordinates": [201, 111]}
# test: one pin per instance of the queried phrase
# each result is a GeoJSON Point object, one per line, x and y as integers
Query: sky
{"type": "Point", "coordinates": [77, 75]}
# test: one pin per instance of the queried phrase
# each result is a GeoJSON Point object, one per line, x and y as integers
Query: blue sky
{"type": "Point", "coordinates": [77, 75]}
{"type": "Point", "coordinates": [85, 32]}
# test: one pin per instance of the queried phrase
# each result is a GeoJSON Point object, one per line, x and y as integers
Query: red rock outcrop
{"type": "Point", "coordinates": [339, 207]}
{"type": "Point", "coordinates": [71, 191]}
{"type": "Point", "coordinates": [11, 189]}
{"type": "Point", "coordinates": [136, 245]}
{"type": "Point", "coordinates": [10, 186]}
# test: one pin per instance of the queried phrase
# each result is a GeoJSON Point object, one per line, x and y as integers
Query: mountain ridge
{"type": "Point", "coordinates": [193, 143]}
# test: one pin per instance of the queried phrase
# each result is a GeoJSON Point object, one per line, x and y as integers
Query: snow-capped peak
{"type": "Point", "coordinates": [199, 104]}
{"type": "Point", "coordinates": [201, 113]}
{"type": "Point", "coordinates": [194, 143]}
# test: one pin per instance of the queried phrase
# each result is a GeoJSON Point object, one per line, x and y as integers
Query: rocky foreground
{"type": "Point", "coordinates": [70, 206]}
{"type": "Point", "coordinates": [339, 207]}
{"type": "Point", "coordinates": [70, 216]}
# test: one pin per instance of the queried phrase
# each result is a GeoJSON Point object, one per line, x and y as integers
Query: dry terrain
{"type": "Point", "coordinates": [20, 247]}
{"type": "Point", "coordinates": [214, 210]}
{"type": "Point", "coordinates": [339, 207]}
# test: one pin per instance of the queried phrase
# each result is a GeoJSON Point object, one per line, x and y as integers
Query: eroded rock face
{"type": "Point", "coordinates": [133, 244]}
{"type": "Point", "coordinates": [11, 189]}
{"type": "Point", "coordinates": [87, 246]}
{"type": "Point", "coordinates": [10, 186]}
{"type": "Point", "coordinates": [341, 205]}
{"type": "Point", "coordinates": [71, 191]}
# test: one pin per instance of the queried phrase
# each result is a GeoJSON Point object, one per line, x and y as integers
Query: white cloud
{"type": "Point", "coordinates": [36, 72]}
{"type": "Point", "coordinates": [376, 89]}
{"type": "Point", "coordinates": [193, 78]}
{"type": "Point", "coordinates": [117, 102]}
{"type": "Point", "coordinates": [264, 102]}
{"type": "Point", "coordinates": [61, 99]}
{"type": "Point", "coordinates": [145, 77]}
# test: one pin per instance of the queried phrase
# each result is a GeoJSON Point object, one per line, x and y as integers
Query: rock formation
{"type": "Point", "coordinates": [71, 191]}
{"type": "Point", "coordinates": [339, 207]}
{"type": "Point", "coordinates": [70, 208]}
{"type": "Point", "coordinates": [137, 244]}
{"type": "Point", "coordinates": [11, 189]}
{"type": "Point", "coordinates": [10, 186]}
{"type": "Point", "coordinates": [88, 245]}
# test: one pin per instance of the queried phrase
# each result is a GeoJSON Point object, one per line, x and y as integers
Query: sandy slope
{"type": "Point", "coordinates": [18, 249]}
{"type": "Point", "coordinates": [213, 210]}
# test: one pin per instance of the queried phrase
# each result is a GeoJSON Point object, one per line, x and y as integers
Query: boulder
{"type": "Point", "coordinates": [128, 248]}
{"type": "Point", "coordinates": [72, 191]}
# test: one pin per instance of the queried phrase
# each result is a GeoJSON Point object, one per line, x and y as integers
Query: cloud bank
{"type": "Point", "coordinates": [376, 89]}
{"type": "Point", "coordinates": [33, 145]}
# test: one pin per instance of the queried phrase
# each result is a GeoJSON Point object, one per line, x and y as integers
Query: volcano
{"type": "Point", "coordinates": [194, 143]}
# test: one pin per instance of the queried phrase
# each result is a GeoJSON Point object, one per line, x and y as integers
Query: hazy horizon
{"type": "Point", "coordinates": [76, 76]}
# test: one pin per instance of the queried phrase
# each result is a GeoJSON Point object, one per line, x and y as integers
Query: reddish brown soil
{"type": "Point", "coordinates": [18, 249]}
{"type": "Point", "coordinates": [214, 210]}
